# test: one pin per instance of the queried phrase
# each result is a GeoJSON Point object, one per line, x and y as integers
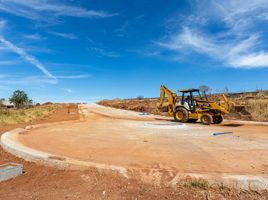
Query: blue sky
{"type": "Point", "coordinates": [88, 50]}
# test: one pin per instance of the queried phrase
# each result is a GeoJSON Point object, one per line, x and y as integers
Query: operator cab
{"type": "Point", "coordinates": [190, 97]}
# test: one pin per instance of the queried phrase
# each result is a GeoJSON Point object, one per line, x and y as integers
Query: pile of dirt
{"type": "Point", "coordinates": [139, 105]}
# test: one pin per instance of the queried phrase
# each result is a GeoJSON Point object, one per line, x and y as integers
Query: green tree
{"type": "Point", "coordinates": [19, 98]}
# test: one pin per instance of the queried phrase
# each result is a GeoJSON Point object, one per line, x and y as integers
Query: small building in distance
{"type": "Point", "coordinates": [6, 104]}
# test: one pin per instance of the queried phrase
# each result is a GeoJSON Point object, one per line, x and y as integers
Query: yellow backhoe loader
{"type": "Point", "coordinates": [194, 106]}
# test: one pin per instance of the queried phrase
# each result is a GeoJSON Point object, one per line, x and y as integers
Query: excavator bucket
{"type": "Point", "coordinates": [240, 112]}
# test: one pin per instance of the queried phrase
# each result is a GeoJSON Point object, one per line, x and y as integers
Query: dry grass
{"type": "Point", "coordinates": [258, 109]}
{"type": "Point", "coordinates": [197, 183]}
{"type": "Point", "coordinates": [14, 116]}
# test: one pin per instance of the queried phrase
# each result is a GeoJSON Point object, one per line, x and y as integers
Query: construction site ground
{"type": "Point", "coordinates": [152, 149]}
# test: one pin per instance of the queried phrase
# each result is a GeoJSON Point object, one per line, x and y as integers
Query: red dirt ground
{"type": "Point", "coordinates": [42, 182]}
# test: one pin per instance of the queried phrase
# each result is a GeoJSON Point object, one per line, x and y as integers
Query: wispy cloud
{"type": "Point", "coordinates": [81, 76]}
{"type": "Point", "coordinates": [70, 36]}
{"type": "Point", "coordinates": [238, 42]}
{"type": "Point", "coordinates": [105, 53]}
{"type": "Point", "coordinates": [22, 80]}
{"type": "Point", "coordinates": [33, 37]}
{"type": "Point", "coordinates": [238, 14]}
{"type": "Point", "coordinates": [234, 53]}
{"type": "Point", "coordinates": [121, 31]}
{"type": "Point", "coordinates": [26, 80]}
{"type": "Point", "coordinates": [44, 10]}
{"type": "Point", "coordinates": [8, 62]}
{"type": "Point", "coordinates": [26, 57]}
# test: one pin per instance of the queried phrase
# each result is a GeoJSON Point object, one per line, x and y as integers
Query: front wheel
{"type": "Point", "coordinates": [181, 115]}
{"type": "Point", "coordinates": [206, 119]}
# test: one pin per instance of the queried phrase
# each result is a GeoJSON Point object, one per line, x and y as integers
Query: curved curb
{"type": "Point", "coordinates": [10, 144]}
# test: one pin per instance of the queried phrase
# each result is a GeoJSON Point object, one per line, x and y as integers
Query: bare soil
{"type": "Point", "coordinates": [42, 182]}
{"type": "Point", "coordinates": [156, 145]}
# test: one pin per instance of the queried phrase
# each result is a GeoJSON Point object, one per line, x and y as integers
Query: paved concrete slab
{"type": "Point", "coordinates": [149, 146]}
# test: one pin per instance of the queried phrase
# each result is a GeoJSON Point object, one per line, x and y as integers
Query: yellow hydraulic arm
{"type": "Point", "coordinates": [227, 104]}
{"type": "Point", "coordinates": [172, 98]}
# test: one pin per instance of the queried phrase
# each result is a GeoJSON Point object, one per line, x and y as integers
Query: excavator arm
{"type": "Point", "coordinates": [172, 98]}
{"type": "Point", "coordinates": [227, 104]}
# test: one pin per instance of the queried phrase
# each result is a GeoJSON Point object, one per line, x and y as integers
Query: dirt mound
{"type": "Point", "coordinates": [139, 105]}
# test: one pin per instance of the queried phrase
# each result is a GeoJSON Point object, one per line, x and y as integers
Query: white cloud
{"type": "Point", "coordinates": [25, 56]}
{"type": "Point", "coordinates": [81, 76]}
{"type": "Point", "coordinates": [238, 42]}
{"type": "Point", "coordinates": [237, 54]}
{"type": "Point", "coordinates": [26, 80]}
{"type": "Point", "coordinates": [187, 38]}
{"type": "Point", "coordinates": [8, 62]}
{"type": "Point", "coordinates": [33, 37]}
{"type": "Point", "coordinates": [251, 60]}
{"type": "Point", "coordinates": [64, 35]}
{"type": "Point", "coordinates": [239, 15]}
{"type": "Point", "coordinates": [44, 10]}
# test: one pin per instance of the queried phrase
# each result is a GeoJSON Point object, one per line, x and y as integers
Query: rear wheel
{"type": "Point", "coordinates": [181, 115]}
{"type": "Point", "coordinates": [206, 119]}
{"type": "Point", "coordinates": [217, 119]}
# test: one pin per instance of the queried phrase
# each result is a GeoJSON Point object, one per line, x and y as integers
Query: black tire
{"type": "Point", "coordinates": [206, 119]}
{"type": "Point", "coordinates": [181, 115]}
{"type": "Point", "coordinates": [217, 119]}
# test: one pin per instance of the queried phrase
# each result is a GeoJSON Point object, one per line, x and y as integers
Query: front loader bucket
{"type": "Point", "coordinates": [240, 112]}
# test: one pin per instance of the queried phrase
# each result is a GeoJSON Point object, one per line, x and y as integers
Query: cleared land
{"type": "Point", "coordinates": [102, 138]}
{"type": "Point", "coordinates": [42, 182]}
{"type": "Point", "coordinates": [149, 143]}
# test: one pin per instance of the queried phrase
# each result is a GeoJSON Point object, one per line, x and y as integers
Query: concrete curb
{"type": "Point", "coordinates": [10, 144]}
